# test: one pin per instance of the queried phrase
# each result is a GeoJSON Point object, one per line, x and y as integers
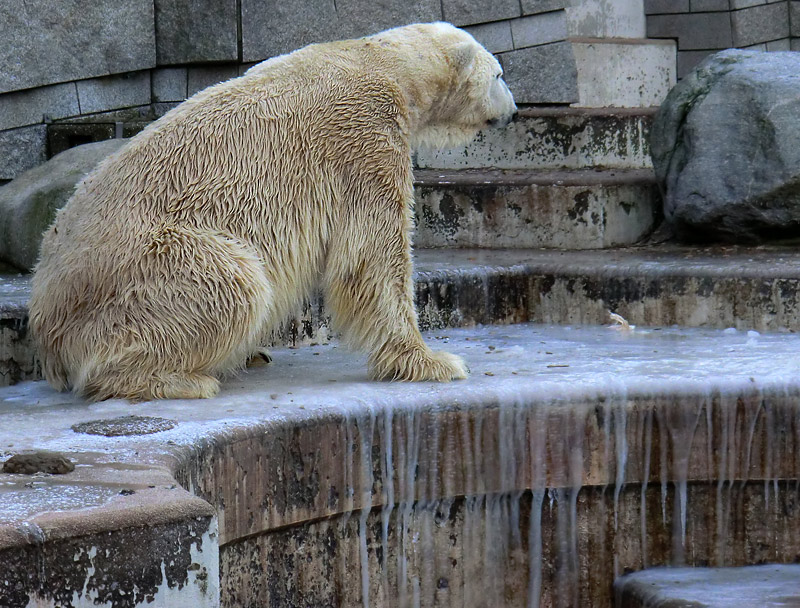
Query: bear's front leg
{"type": "Point", "coordinates": [369, 291]}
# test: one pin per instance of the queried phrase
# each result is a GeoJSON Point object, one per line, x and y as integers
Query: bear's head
{"type": "Point", "coordinates": [459, 89]}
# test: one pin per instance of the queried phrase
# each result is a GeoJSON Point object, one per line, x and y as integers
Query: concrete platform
{"type": "Point", "coordinates": [725, 287]}
{"type": "Point", "coordinates": [309, 439]}
{"type": "Point", "coordinates": [767, 586]}
{"type": "Point", "coordinates": [554, 139]}
{"type": "Point", "coordinates": [524, 209]}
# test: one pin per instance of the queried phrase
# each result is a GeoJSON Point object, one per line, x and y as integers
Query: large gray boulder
{"type": "Point", "coordinates": [726, 147]}
{"type": "Point", "coordinates": [29, 203]}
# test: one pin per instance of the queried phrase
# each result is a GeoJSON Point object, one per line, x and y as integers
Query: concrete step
{"type": "Point", "coordinates": [765, 586]}
{"type": "Point", "coordinates": [570, 455]}
{"type": "Point", "coordinates": [739, 289]}
{"type": "Point", "coordinates": [556, 138]}
{"type": "Point", "coordinates": [523, 209]}
{"type": "Point", "coordinates": [624, 72]}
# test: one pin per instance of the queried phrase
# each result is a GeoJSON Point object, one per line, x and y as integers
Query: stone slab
{"type": "Point", "coordinates": [48, 42]}
{"type": "Point", "coordinates": [630, 74]}
{"type": "Point", "coordinates": [272, 27]}
{"type": "Point", "coordinates": [543, 28]}
{"type": "Point", "coordinates": [659, 7]}
{"type": "Point", "coordinates": [709, 6]}
{"type": "Point", "coordinates": [114, 92]}
{"type": "Point", "coordinates": [201, 77]}
{"type": "Point", "coordinates": [466, 12]}
{"type": "Point", "coordinates": [760, 24]}
{"type": "Point", "coordinates": [766, 586]}
{"type": "Point", "coordinates": [542, 75]}
{"type": "Point", "coordinates": [38, 105]}
{"type": "Point", "coordinates": [531, 7]}
{"type": "Point", "coordinates": [794, 17]}
{"type": "Point", "coordinates": [495, 37]}
{"type": "Point", "coordinates": [169, 84]}
{"type": "Point", "coordinates": [188, 31]}
{"type": "Point", "coordinates": [527, 209]}
{"type": "Point", "coordinates": [606, 19]}
{"type": "Point", "coordinates": [22, 149]}
{"type": "Point", "coordinates": [700, 31]}
{"type": "Point", "coordinates": [554, 139]}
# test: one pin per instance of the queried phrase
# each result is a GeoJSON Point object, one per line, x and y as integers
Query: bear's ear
{"type": "Point", "coordinates": [463, 55]}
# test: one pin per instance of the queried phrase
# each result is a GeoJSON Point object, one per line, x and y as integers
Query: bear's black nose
{"type": "Point", "coordinates": [514, 116]}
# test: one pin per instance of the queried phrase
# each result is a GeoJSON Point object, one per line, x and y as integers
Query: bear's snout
{"type": "Point", "coordinates": [502, 121]}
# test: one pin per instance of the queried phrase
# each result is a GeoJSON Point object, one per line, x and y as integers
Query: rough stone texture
{"type": "Point", "coordinates": [169, 84]}
{"type": "Point", "coordinates": [707, 6]}
{"type": "Point", "coordinates": [534, 30]}
{"type": "Point", "coordinates": [202, 77]}
{"type": "Point", "coordinates": [542, 74]}
{"type": "Point", "coordinates": [725, 146]}
{"type": "Point", "coordinates": [689, 60]}
{"type": "Point", "coordinates": [555, 139]}
{"type": "Point", "coordinates": [531, 7]}
{"type": "Point", "coordinates": [46, 42]}
{"type": "Point", "coordinates": [694, 31]}
{"type": "Point", "coordinates": [124, 426]}
{"type": "Point", "coordinates": [569, 210]}
{"type": "Point", "coordinates": [38, 462]}
{"type": "Point", "coordinates": [767, 586]}
{"type": "Point", "coordinates": [273, 27]}
{"type": "Point", "coordinates": [467, 12]}
{"type": "Point", "coordinates": [760, 24]}
{"type": "Point", "coordinates": [779, 45]}
{"type": "Point", "coordinates": [188, 31]}
{"type": "Point", "coordinates": [622, 74]}
{"type": "Point", "coordinates": [29, 203]}
{"type": "Point", "coordinates": [794, 17]}
{"type": "Point", "coordinates": [496, 37]}
{"type": "Point", "coordinates": [657, 7]}
{"type": "Point", "coordinates": [114, 92]}
{"type": "Point", "coordinates": [606, 19]}
{"type": "Point", "coordinates": [33, 106]}
{"type": "Point", "coordinates": [22, 149]}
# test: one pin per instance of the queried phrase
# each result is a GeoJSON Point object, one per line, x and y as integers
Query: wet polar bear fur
{"type": "Point", "coordinates": [180, 253]}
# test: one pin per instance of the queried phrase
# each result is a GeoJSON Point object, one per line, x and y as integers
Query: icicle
{"type": "Point", "coordinates": [387, 475]}
{"type": "Point", "coordinates": [648, 443]}
{"type": "Point", "coordinates": [621, 451]}
{"type": "Point", "coordinates": [535, 550]}
{"type": "Point", "coordinates": [366, 482]}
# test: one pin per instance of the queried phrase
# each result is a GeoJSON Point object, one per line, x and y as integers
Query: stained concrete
{"type": "Point", "coordinates": [693, 412]}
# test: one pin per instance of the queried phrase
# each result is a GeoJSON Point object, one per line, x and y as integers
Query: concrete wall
{"type": "Point", "coordinates": [73, 72]}
{"type": "Point", "coordinates": [702, 27]}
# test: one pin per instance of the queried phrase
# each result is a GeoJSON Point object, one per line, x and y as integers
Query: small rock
{"type": "Point", "coordinates": [38, 462]}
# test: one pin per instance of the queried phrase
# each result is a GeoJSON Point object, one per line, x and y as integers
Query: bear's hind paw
{"type": "Point", "coordinates": [419, 365]}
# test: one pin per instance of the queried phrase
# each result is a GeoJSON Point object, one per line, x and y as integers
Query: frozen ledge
{"type": "Point", "coordinates": [309, 437]}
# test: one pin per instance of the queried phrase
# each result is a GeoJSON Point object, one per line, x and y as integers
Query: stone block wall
{"type": "Point", "coordinates": [702, 27]}
{"type": "Point", "coordinates": [73, 72]}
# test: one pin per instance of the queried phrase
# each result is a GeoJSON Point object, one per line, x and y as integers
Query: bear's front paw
{"type": "Point", "coordinates": [417, 365]}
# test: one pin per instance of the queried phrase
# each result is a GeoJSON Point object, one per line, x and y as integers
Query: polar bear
{"type": "Point", "coordinates": [180, 253]}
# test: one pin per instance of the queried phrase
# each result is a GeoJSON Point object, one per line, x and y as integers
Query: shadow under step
{"type": "Point", "coordinates": [569, 209]}
{"type": "Point", "coordinates": [764, 586]}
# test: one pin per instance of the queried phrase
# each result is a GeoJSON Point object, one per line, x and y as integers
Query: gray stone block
{"type": "Point", "coordinates": [22, 149]}
{"type": "Point", "coordinates": [784, 44]}
{"type": "Point", "coordinates": [688, 60]}
{"type": "Point", "coordinates": [30, 107]}
{"type": "Point", "coordinates": [114, 92]}
{"type": "Point", "coordinates": [169, 84]}
{"type": "Point", "coordinates": [539, 29]}
{"type": "Point", "coordinates": [760, 24]}
{"type": "Point", "coordinates": [45, 42]}
{"type": "Point", "coordinates": [469, 12]}
{"type": "Point", "coordinates": [542, 74]}
{"type": "Point", "coordinates": [737, 4]}
{"type": "Point", "coordinates": [200, 78]}
{"type": "Point", "coordinates": [709, 6]}
{"type": "Point", "coordinates": [794, 17]}
{"type": "Point", "coordinates": [495, 37]}
{"type": "Point", "coordinates": [273, 27]}
{"type": "Point", "coordinates": [697, 31]}
{"type": "Point", "coordinates": [796, 44]}
{"type": "Point", "coordinates": [661, 7]}
{"type": "Point", "coordinates": [196, 30]}
{"type": "Point", "coordinates": [531, 7]}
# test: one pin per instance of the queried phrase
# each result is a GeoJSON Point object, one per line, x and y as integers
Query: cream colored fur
{"type": "Point", "coordinates": [180, 253]}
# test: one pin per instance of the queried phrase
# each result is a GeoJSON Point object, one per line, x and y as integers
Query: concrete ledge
{"type": "Point", "coordinates": [587, 417]}
{"type": "Point", "coordinates": [767, 586]}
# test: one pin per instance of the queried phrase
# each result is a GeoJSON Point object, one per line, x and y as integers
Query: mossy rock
{"type": "Point", "coordinates": [28, 204]}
